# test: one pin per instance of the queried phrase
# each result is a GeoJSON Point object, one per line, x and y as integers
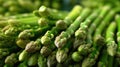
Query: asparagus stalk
{"type": "Point", "coordinates": [103, 62]}
{"type": "Point", "coordinates": [111, 45]}
{"type": "Point", "coordinates": [99, 41]}
{"type": "Point", "coordinates": [74, 13]}
{"type": "Point", "coordinates": [51, 13]}
{"type": "Point", "coordinates": [118, 34]}
{"type": "Point", "coordinates": [50, 34]}
{"type": "Point", "coordinates": [81, 33]}
{"type": "Point", "coordinates": [62, 53]}
{"type": "Point", "coordinates": [65, 35]}
{"type": "Point", "coordinates": [97, 21]}
{"type": "Point", "coordinates": [31, 33]}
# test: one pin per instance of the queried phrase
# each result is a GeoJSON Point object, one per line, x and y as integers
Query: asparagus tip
{"type": "Point", "coordinates": [61, 56]}
{"type": "Point", "coordinates": [111, 48]}
{"type": "Point", "coordinates": [76, 57]}
{"type": "Point", "coordinates": [60, 24]}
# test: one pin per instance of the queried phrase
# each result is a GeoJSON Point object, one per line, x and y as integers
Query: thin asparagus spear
{"type": "Point", "coordinates": [99, 41]}
{"type": "Point", "coordinates": [111, 45]}
{"type": "Point", "coordinates": [23, 55]}
{"type": "Point", "coordinates": [74, 13]}
{"type": "Point", "coordinates": [81, 33]}
{"type": "Point", "coordinates": [97, 21]}
{"type": "Point", "coordinates": [65, 35]}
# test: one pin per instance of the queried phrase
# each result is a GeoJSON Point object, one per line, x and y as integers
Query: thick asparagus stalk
{"type": "Point", "coordinates": [50, 34]}
{"type": "Point", "coordinates": [111, 45]}
{"type": "Point", "coordinates": [74, 13]}
{"type": "Point", "coordinates": [99, 41]}
{"type": "Point", "coordinates": [65, 35]}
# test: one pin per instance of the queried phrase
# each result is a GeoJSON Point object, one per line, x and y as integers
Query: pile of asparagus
{"type": "Point", "coordinates": [82, 37]}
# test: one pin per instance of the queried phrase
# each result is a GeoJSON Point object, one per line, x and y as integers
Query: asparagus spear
{"type": "Point", "coordinates": [23, 55]}
{"type": "Point", "coordinates": [33, 46]}
{"type": "Point", "coordinates": [103, 61]}
{"type": "Point", "coordinates": [62, 53]}
{"type": "Point", "coordinates": [50, 34]}
{"type": "Point", "coordinates": [51, 13]}
{"type": "Point", "coordinates": [99, 41]}
{"type": "Point", "coordinates": [65, 35]}
{"type": "Point", "coordinates": [96, 22]}
{"type": "Point", "coordinates": [111, 45]}
{"type": "Point", "coordinates": [81, 33]}
{"type": "Point", "coordinates": [63, 24]}
{"type": "Point", "coordinates": [118, 34]}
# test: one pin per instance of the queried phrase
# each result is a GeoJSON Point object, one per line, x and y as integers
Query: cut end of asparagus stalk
{"type": "Point", "coordinates": [32, 46]}
{"type": "Point", "coordinates": [61, 56]}
{"type": "Point", "coordinates": [76, 57]}
{"type": "Point", "coordinates": [60, 24]}
{"type": "Point", "coordinates": [45, 51]}
{"type": "Point", "coordinates": [111, 48]}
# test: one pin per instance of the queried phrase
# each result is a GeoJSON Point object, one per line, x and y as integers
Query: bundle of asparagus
{"type": "Point", "coordinates": [82, 37]}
